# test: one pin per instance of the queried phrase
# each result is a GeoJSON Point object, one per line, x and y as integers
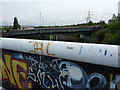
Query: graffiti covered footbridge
{"type": "Point", "coordinates": [54, 64]}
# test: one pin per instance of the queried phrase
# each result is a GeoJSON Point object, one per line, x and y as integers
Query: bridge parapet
{"type": "Point", "coordinates": [31, 64]}
{"type": "Point", "coordinates": [83, 52]}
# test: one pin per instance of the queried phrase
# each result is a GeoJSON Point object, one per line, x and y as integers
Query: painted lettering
{"type": "Point", "coordinates": [15, 71]}
{"type": "Point", "coordinates": [37, 47]}
{"type": "Point", "coordinates": [47, 49]}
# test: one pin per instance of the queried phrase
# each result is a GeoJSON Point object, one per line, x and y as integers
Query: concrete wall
{"type": "Point", "coordinates": [91, 53]}
{"type": "Point", "coordinates": [42, 68]}
{"type": "Point", "coordinates": [23, 70]}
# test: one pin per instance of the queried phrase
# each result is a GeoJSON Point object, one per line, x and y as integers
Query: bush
{"type": "Point", "coordinates": [110, 35]}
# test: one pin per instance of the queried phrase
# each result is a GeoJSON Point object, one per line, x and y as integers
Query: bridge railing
{"type": "Point", "coordinates": [50, 30]}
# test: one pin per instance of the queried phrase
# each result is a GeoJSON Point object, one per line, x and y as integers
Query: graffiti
{"type": "Point", "coordinates": [105, 52]}
{"type": "Point", "coordinates": [0, 68]}
{"type": "Point", "coordinates": [15, 71]}
{"type": "Point", "coordinates": [69, 47]}
{"type": "Point", "coordinates": [45, 73]}
{"type": "Point", "coordinates": [116, 82]}
{"type": "Point", "coordinates": [38, 48]}
{"type": "Point", "coordinates": [101, 81]}
{"type": "Point", "coordinates": [23, 70]}
{"type": "Point", "coordinates": [81, 49]}
{"type": "Point", "coordinates": [102, 51]}
{"type": "Point", "coordinates": [55, 75]}
{"type": "Point", "coordinates": [73, 75]}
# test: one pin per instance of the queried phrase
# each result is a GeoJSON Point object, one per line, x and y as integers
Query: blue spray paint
{"type": "Point", "coordinates": [81, 49]}
{"type": "Point", "coordinates": [105, 52]}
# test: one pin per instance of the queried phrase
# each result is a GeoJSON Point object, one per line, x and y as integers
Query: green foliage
{"type": "Point", "coordinates": [98, 36]}
{"type": "Point", "coordinates": [7, 28]}
{"type": "Point", "coordinates": [112, 38]}
{"type": "Point", "coordinates": [100, 23]}
{"type": "Point", "coordinates": [90, 23]}
{"type": "Point", "coordinates": [109, 35]}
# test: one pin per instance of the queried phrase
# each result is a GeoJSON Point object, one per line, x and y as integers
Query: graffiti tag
{"type": "Point", "coordinates": [15, 71]}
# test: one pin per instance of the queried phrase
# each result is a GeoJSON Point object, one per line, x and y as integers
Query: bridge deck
{"type": "Point", "coordinates": [81, 29]}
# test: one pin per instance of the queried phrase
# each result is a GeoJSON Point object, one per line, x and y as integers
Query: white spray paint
{"type": "Point", "coordinates": [84, 52]}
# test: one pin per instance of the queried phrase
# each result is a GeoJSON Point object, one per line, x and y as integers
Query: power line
{"type": "Point", "coordinates": [40, 18]}
{"type": "Point", "coordinates": [89, 16]}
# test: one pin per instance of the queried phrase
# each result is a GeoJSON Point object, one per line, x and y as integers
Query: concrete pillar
{"type": "Point", "coordinates": [51, 37]}
{"type": "Point", "coordinates": [57, 37]}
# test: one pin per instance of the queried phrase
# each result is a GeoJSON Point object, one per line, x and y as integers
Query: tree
{"type": "Point", "coordinates": [109, 35]}
{"type": "Point", "coordinates": [90, 23]}
{"type": "Point", "coordinates": [16, 24]}
{"type": "Point", "coordinates": [114, 17]}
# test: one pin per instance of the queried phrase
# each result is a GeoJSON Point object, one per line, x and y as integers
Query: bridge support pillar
{"type": "Point", "coordinates": [51, 37]}
{"type": "Point", "coordinates": [85, 36]}
{"type": "Point", "coordinates": [54, 37]}
{"type": "Point", "coordinates": [57, 37]}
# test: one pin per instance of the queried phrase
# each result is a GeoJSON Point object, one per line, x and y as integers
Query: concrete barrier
{"type": "Point", "coordinates": [83, 52]}
{"type": "Point", "coordinates": [37, 64]}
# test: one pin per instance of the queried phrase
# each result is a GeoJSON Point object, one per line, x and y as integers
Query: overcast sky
{"type": "Point", "coordinates": [56, 12]}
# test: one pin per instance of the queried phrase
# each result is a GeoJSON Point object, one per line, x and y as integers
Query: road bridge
{"type": "Point", "coordinates": [58, 30]}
